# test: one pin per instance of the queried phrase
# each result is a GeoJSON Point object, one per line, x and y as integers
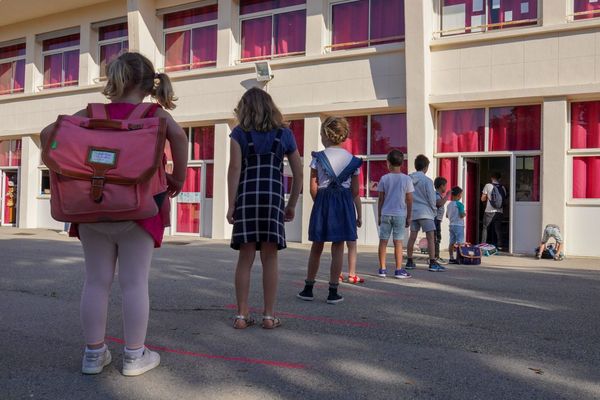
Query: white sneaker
{"type": "Point", "coordinates": [134, 366]}
{"type": "Point", "coordinates": [94, 362]}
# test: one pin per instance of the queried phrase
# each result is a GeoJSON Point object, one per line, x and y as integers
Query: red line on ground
{"type": "Point", "coordinates": [313, 318]}
{"type": "Point", "coordinates": [217, 357]}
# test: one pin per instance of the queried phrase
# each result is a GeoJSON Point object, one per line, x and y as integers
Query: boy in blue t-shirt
{"type": "Point", "coordinates": [456, 214]}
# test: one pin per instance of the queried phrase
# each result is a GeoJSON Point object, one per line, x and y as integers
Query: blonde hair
{"type": "Point", "coordinates": [336, 129]}
{"type": "Point", "coordinates": [257, 111]}
{"type": "Point", "coordinates": [132, 70]}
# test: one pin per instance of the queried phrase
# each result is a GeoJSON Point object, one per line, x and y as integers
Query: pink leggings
{"type": "Point", "coordinates": [103, 244]}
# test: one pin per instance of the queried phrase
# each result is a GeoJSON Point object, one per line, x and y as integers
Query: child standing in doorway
{"type": "Point", "coordinates": [256, 198]}
{"type": "Point", "coordinates": [456, 214]}
{"type": "Point", "coordinates": [131, 78]}
{"type": "Point", "coordinates": [333, 187]}
{"type": "Point", "coordinates": [441, 197]}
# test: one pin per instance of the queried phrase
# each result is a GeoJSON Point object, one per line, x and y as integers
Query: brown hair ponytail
{"type": "Point", "coordinates": [163, 92]}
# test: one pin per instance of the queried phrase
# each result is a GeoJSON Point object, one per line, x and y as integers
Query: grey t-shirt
{"type": "Point", "coordinates": [395, 187]}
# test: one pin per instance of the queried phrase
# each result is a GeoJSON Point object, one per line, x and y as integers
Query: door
{"type": "Point", "coordinates": [471, 199]}
{"type": "Point", "coordinates": [9, 201]}
{"type": "Point", "coordinates": [189, 203]}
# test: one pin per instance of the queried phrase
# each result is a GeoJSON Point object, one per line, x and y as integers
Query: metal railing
{"type": "Point", "coordinates": [486, 27]}
{"type": "Point", "coordinates": [365, 43]}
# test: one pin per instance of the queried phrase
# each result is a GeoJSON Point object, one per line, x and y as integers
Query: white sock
{"type": "Point", "coordinates": [100, 350]}
{"type": "Point", "coordinates": [135, 353]}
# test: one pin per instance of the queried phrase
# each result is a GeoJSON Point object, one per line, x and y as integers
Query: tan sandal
{"type": "Point", "coordinates": [248, 322]}
{"type": "Point", "coordinates": [276, 322]}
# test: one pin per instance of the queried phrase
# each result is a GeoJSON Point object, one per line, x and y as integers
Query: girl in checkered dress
{"type": "Point", "coordinates": [257, 207]}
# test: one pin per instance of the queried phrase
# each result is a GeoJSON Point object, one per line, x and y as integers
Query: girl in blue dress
{"type": "Point", "coordinates": [333, 186]}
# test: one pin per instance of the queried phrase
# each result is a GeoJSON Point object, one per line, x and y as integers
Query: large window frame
{"type": "Point", "coordinates": [576, 16]}
{"type": "Point", "coordinates": [486, 26]}
{"type": "Point", "coordinates": [122, 40]}
{"type": "Point", "coordinates": [263, 14]}
{"type": "Point", "coordinates": [576, 153]}
{"type": "Point", "coordinates": [62, 51]}
{"type": "Point", "coordinates": [14, 61]}
{"type": "Point", "coordinates": [330, 47]}
{"type": "Point", "coordinates": [188, 28]}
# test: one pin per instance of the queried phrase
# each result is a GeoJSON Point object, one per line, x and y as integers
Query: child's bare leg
{"type": "Point", "coordinates": [431, 244]}
{"type": "Point", "coordinates": [352, 258]}
{"type": "Point", "coordinates": [314, 259]}
{"type": "Point", "coordinates": [337, 261]}
{"type": "Point", "coordinates": [382, 253]}
{"type": "Point", "coordinates": [242, 278]}
{"type": "Point", "coordinates": [268, 256]}
{"type": "Point", "coordinates": [558, 247]}
{"type": "Point", "coordinates": [398, 253]}
{"type": "Point", "coordinates": [411, 243]}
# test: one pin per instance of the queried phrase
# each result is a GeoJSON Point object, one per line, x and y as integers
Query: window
{"type": "Point", "coordinates": [515, 128]}
{"type": "Point", "coordinates": [528, 179]}
{"type": "Point", "coordinates": [272, 28]}
{"type": "Point", "coordinates": [585, 148]}
{"type": "Point", "coordinates": [61, 61]}
{"type": "Point", "coordinates": [191, 38]}
{"type": "Point", "coordinates": [461, 131]}
{"type": "Point", "coordinates": [45, 182]}
{"type": "Point", "coordinates": [10, 153]}
{"type": "Point", "coordinates": [362, 23]}
{"type": "Point", "coordinates": [297, 128]}
{"type": "Point", "coordinates": [371, 138]}
{"type": "Point", "coordinates": [12, 69]}
{"type": "Point", "coordinates": [585, 9]}
{"type": "Point", "coordinates": [113, 40]}
{"type": "Point", "coordinates": [467, 16]}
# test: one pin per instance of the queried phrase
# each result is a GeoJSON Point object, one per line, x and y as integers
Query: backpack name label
{"type": "Point", "coordinates": [104, 157]}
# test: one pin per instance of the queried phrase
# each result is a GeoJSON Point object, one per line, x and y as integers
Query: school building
{"type": "Point", "coordinates": [476, 85]}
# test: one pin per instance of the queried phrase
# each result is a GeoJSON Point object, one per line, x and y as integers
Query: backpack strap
{"type": "Point", "coordinates": [141, 111]}
{"type": "Point", "coordinates": [97, 111]}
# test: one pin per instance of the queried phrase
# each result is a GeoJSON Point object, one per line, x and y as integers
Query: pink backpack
{"type": "Point", "coordinates": [106, 170]}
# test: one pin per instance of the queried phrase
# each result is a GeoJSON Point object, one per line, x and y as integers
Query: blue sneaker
{"type": "Point", "coordinates": [410, 264]}
{"type": "Point", "coordinates": [382, 272]}
{"type": "Point", "coordinates": [435, 267]}
{"type": "Point", "coordinates": [402, 274]}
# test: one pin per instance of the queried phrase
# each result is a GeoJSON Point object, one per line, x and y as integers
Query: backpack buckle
{"type": "Point", "coordinates": [97, 188]}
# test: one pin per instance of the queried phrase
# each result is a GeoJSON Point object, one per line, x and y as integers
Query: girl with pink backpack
{"type": "Point", "coordinates": [112, 187]}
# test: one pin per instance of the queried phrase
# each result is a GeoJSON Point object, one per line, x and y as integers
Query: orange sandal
{"type": "Point", "coordinates": [355, 280]}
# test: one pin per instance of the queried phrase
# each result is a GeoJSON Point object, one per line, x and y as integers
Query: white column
{"type": "Point", "coordinates": [420, 116]}
{"type": "Point", "coordinates": [33, 65]}
{"type": "Point", "coordinates": [312, 142]}
{"type": "Point", "coordinates": [87, 65]}
{"type": "Point", "coordinates": [228, 32]}
{"type": "Point", "coordinates": [554, 163]}
{"type": "Point", "coordinates": [553, 12]}
{"type": "Point", "coordinates": [316, 28]}
{"type": "Point", "coordinates": [145, 32]}
{"type": "Point", "coordinates": [220, 227]}
{"type": "Point", "coordinates": [29, 181]}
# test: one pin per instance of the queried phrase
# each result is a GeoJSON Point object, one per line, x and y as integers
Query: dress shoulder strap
{"type": "Point", "coordinates": [277, 141]}
{"type": "Point", "coordinates": [352, 166]}
{"type": "Point", "coordinates": [324, 161]}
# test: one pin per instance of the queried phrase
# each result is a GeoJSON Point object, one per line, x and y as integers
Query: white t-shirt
{"type": "Point", "coordinates": [487, 190]}
{"type": "Point", "coordinates": [339, 159]}
{"type": "Point", "coordinates": [395, 187]}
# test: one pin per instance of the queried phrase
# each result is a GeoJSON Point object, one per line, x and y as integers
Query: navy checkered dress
{"type": "Point", "coordinates": [259, 206]}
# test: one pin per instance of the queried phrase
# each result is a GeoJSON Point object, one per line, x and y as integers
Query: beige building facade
{"type": "Point", "coordinates": [474, 85]}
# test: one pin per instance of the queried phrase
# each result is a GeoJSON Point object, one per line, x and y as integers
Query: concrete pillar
{"type": "Point", "coordinates": [220, 227]}
{"type": "Point", "coordinates": [420, 116]}
{"type": "Point", "coordinates": [33, 65]}
{"type": "Point", "coordinates": [316, 28]}
{"type": "Point", "coordinates": [227, 45]}
{"type": "Point", "coordinates": [312, 142]}
{"type": "Point", "coordinates": [554, 163]}
{"type": "Point", "coordinates": [29, 182]}
{"type": "Point", "coordinates": [87, 65]}
{"type": "Point", "coordinates": [145, 30]}
{"type": "Point", "coordinates": [555, 12]}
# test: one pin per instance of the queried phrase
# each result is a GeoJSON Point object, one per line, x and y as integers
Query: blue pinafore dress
{"type": "Point", "coordinates": [260, 203]}
{"type": "Point", "coordinates": [333, 217]}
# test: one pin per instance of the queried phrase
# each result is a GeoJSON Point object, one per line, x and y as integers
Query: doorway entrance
{"type": "Point", "coordinates": [9, 197]}
{"type": "Point", "coordinates": [477, 173]}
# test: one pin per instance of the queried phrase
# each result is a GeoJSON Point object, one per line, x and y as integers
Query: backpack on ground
{"type": "Point", "coordinates": [498, 196]}
{"type": "Point", "coordinates": [467, 254]}
{"type": "Point", "coordinates": [106, 170]}
{"type": "Point", "coordinates": [549, 252]}
{"type": "Point", "coordinates": [487, 249]}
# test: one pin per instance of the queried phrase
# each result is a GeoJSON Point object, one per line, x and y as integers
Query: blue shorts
{"type": "Point", "coordinates": [392, 224]}
{"type": "Point", "coordinates": [457, 234]}
{"type": "Point", "coordinates": [426, 224]}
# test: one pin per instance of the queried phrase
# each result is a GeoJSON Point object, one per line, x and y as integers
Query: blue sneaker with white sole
{"type": "Point", "coordinates": [382, 272]}
{"type": "Point", "coordinates": [435, 267]}
{"type": "Point", "coordinates": [402, 274]}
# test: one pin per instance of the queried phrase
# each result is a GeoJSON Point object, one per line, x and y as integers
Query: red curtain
{"type": "Point", "coordinates": [15, 148]}
{"type": "Point", "coordinates": [462, 131]}
{"type": "Point", "coordinates": [586, 5]}
{"type": "Point", "coordinates": [512, 10]}
{"type": "Point", "coordinates": [53, 70]}
{"type": "Point", "coordinates": [290, 32]}
{"type": "Point", "coordinates": [297, 128]}
{"type": "Point", "coordinates": [252, 6]}
{"type": "Point", "coordinates": [4, 153]}
{"type": "Point", "coordinates": [586, 177]}
{"type": "Point", "coordinates": [204, 47]}
{"type": "Point", "coordinates": [108, 53]}
{"type": "Point", "coordinates": [71, 68]}
{"type": "Point", "coordinates": [192, 16]}
{"type": "Point", "coordinates": [357, 139]}
{"type": "Point", "coordinates": [256, 37]}
{"type": "Point", "coordinates": [387, 20]}
{"type": "Point", "coordinates": [448, 168]}
{"type": "Point", "coordinates": [6, 74]}
{"type": "Point", "coordinates": [19, 76]}
{"type": "Point", "coordinates": [585, 125]}
{"type": "Point", "coordinates": [515, 128]}
{"type": "Point", "coordinates": [188, 214]}
{"type": "Point", "coordinates": [350, 23]}
{"type": "Point", "coordinates": [177, 51]}
{"type": "Point", "coordinates": [388, 132]}
{"type": "Point", "coordinates": [203, 142]}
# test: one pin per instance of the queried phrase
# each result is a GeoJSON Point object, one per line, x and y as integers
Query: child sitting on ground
{"type": "Point", "coordinates": [456, 214]}
{"type": "Point", "coordinates": [552, 231]}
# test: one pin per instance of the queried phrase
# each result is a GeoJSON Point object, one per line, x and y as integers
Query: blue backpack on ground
{"type": "Point", "coordinates": [468, 255]}
{"type": "Point", "coordinates": [498, 196]}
